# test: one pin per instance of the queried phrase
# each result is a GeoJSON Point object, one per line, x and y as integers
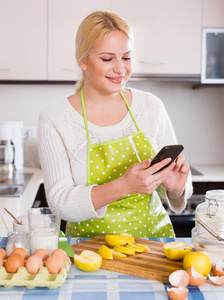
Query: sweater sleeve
{"type": "Point", "coordinates": [179, 204]}
{"type": "Point", "coordinates": [73, 201]}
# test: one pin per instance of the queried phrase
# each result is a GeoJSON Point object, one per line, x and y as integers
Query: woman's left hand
{"type": "Point", "coordinates": [176, 179]}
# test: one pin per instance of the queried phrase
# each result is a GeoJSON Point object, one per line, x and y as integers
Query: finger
{"type": "Point", "coordinates": [180, 159]}
{"type": "Point", "coordinates": [163, 173]}
{"type": "Point", "coordinates": [179, 162]}
{"type": "Point", "coordinates": [153, 186]}
{"type": "Point", "coordinates": [159, 165]}
{"type": "Point", "coordinates": [142, 165]}
{"type": "Point", "coordinates": [185, 168]}
{"type": "Point", "coordinates": [159, 177]}
{"type": "Point", "coordinates": [145, 164]}
{"type": "Point", "coordinates": [157, 183]}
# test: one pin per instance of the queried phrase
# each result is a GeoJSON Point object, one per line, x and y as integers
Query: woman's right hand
{"type": "Point", "coordinates": [141, 178]}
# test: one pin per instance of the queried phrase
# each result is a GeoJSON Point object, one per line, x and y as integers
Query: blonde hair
{"type": "Point", "coordinates": [92, 29]}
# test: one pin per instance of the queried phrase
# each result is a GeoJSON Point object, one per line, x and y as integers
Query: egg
{"type": "Point", "coordinates": [179, 278]}
{"type": "Point", "coordinates": [61, 253]}
{"type": "Point", "coordinates": [1, 261]}
{"type": "Point", "coordinates": [216, 280]}
{"type": "Point", "coordinates": [34, 263]}
{"type": "Point", "coordinates": [20, 251]}
{"type": "Point", "coordinates": [195, 278]}
{"type": "Point", "coordinates": [13, 262]}
{"type": "Point", "coordinates": [3, 253]}
{"type": "Point", "coordinates": [42, 253]}
{"type": "Point", "coordinates": [218, 269]}
{"type": "Point", "coordinates": [177, 293]}
{"type": "Point", "coordinates": [54, 263]}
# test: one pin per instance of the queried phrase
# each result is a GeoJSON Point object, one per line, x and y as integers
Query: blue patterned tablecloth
{"type": "Point", "coordinates": [107, 285]}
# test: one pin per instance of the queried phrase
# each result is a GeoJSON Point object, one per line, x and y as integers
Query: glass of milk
{"type": "Point", "coordinates": [44, 227]}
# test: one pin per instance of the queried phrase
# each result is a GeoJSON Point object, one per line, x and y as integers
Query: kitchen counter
{"type": "Point", "coordinates": [210, 173]}
{"type": "Point", "coordinates": [18, 206]}
{"type": "Point", "coordinates": [102, 284]}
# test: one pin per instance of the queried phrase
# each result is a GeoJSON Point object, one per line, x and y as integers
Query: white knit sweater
{"type": "Point", "coordinates": [63, 152]}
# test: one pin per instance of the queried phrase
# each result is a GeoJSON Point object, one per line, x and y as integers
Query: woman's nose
{"type": "Point", "coordinates": [119, 66]}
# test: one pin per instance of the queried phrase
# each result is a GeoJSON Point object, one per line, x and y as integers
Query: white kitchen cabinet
{"type": "Point", "coordinates": [63, 22]}
{"type": "Point", "coordinates": [23, 39]}
{"type": "Point", "coordinates": [213, 13]}
{"type": "Point", "coordinates": [38, 37]}
{"type": "Point", "coordinates": [167, 34]}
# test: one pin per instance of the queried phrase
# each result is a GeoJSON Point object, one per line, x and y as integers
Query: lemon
{"type": "Point", "coordinates": [124, 250]}
{"type": "Point", "coordinates": [200, 260]}
{"type": "Point", "coordinates": [88, 261]}
{"type": "Point", "coordinates": [117, 240]}
{"type": "Point", "coordinates": [117, 254]}
{"type": "Point", "coordinates": [176, 250]}
{"type": "Point", "coordinates": [125, 234]}
{"type": "Point", "coordinates": [105, 252]}
{"type": "Point", "coordinates": [146, 248]}
{"type": "Point", "coordinates": [135, 248]}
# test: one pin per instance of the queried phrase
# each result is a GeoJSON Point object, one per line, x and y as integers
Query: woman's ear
{"type": "Point", "coordinates": [83, 65]}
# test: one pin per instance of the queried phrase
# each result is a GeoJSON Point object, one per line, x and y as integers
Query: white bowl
{"type": "Point", "coordinates": [21, 227]}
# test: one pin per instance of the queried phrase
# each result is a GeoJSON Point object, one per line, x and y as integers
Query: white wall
{"type": "Point", "coordinates": [197, 115]}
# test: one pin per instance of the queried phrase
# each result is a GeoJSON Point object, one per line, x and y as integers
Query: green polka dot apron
{"type": "Point", "coordinates": [140, 215]}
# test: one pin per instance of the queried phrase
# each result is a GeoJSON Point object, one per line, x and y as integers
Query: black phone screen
{"type": "Point", "coordinates": [171, 151]}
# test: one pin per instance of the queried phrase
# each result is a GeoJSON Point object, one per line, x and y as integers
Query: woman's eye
{"type": "Point", "coordinates": [106, 59]}
{"type": "Point", "coordinates": [110, 59]}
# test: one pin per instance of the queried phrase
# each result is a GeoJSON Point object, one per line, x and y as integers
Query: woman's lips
{"type": "Point", "coordinates": [116, 79]}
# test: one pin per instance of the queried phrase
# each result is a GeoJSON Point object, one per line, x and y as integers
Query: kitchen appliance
{"type": "Point", "coordinates": [212, 63]}
{"type": "Point", "coordinates": [11, 146]}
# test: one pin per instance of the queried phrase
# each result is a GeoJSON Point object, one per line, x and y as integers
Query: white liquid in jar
{"type": "Point", "coordinates": [216, 223]}
{"type": "Point", "coordinates": [44, 238]}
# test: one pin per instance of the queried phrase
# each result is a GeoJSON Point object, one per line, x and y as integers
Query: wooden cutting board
{"type": "Point", "coordinates": [152, 265]}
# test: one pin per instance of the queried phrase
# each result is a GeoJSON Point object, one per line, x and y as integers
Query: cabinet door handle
{"type": "Point", "coordinates": [145, 62]}
{"type": "Point", "coordinates": [5, 69]}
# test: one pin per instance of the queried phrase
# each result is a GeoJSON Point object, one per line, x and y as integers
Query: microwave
{"type": "Point", "coordinates": [212, 58]}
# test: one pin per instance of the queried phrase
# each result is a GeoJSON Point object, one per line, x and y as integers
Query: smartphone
{"type": "Point", "coordinates": [171, 151]}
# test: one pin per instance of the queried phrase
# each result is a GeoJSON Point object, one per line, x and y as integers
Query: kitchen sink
{"type": "Point", "coordinates": [195, 172]}
{"type": "Point", "coordinates": [16, 184]}
{"type": "Point", "coordinates": [11, 190]}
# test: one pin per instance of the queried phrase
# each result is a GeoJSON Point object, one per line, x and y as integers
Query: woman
{"type": "Point", "coordinates": [96, 146]}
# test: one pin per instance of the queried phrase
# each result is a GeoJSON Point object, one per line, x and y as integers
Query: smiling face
{"type": "Point", "coordinates": [109, 65]}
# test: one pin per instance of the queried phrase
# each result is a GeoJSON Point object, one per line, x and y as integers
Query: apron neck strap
{"type": "Point", "coordinates": [130, 111]}
{"type": "Point", "coordinates": [85, 118]}
{"type": "Point", "coordinates": [84, 115]}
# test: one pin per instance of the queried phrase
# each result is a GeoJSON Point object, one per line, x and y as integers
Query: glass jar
{"type": "Point", "coordinates": [211, 212]}
{"type": "Point", "coordinates": [211, 246]}
{"type": "Point", "coordinates": [18, 240]}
